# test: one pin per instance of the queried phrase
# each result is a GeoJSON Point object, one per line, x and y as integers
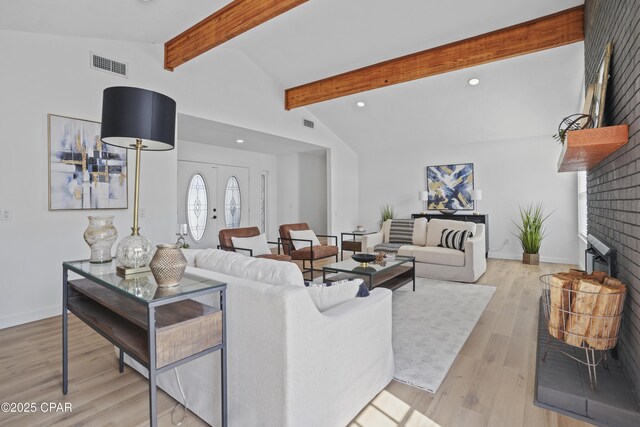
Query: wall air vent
{"type": "Point", "coordinates": [102, 63]}
{"type": "Point", "coordinates": [308, 123]}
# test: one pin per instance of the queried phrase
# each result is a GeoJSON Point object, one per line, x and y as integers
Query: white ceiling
{"type": "Point", "coordinates": [203, 131]}
{"type": "Point", "coordinates": [155, 21]}
{"type": "Point", "coordinates": [323, 38]}
{"type": "Point", "coordinates": [517, 98]}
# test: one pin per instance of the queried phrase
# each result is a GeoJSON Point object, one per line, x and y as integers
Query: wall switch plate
{"type": "Point", "coordinates": [142, 213]}
{"type": "Point", "coordinates": [5, 214]}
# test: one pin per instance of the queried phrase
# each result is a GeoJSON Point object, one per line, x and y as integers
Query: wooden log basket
{"type": "Point", "coordinates": [583, 310]}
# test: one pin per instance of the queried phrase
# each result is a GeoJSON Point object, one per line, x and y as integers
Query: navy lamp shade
{"type": "Point", "coordinates": [130, 113]}
{"type": "Point", "coordinates": [137, 119]}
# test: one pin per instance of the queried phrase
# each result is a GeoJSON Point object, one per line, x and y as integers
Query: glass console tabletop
{"type": "Point", "coordinates": [141, 287]}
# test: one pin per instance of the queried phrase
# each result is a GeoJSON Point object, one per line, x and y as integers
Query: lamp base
{"type": "Point", "coordinates": [134, 252]}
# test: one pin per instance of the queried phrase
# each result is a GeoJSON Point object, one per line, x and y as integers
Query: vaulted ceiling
{"type": "Point", "coordinates": [516, 98]}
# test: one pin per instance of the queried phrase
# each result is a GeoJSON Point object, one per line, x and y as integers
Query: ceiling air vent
{"type": "Point", "coordinates": [102, 63]}
{"type": "Point", "coordinates": [308, 123]}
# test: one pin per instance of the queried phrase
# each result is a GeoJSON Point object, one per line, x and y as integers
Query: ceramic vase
{"type": "Point", "coordinates": [168, 265]}
{"type": "Point", "coordinates": [100, 235]}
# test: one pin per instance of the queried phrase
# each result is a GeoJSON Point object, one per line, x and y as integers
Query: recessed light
{"type": "Point", "coordinates": [474, 81]}
{"type": "Point", "coordinates": [360, 104]}
{"type": "Point", "coordinates": [239, 141]}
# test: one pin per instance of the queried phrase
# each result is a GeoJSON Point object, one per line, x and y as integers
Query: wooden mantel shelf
{"type": "Point", "coordinates": [583, 149]}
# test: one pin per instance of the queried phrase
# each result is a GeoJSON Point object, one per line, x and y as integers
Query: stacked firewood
{"type": "Point", "coordinates": [585, 309]}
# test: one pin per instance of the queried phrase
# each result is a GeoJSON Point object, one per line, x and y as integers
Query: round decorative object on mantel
{"type": "Point", "coordinates": [168, 265]}
{"type": "Point", "coordinates": [100, 235]}
{"type": "Point", "coordinates": [448, 211]}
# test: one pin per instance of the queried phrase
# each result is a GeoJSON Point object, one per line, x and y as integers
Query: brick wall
{"type": "Point", "coordinates": [614, 185]}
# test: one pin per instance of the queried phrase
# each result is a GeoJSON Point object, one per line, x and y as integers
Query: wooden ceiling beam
{"type": "Point", "coordinates": [550, 31]}
{"type": "Point", "coordinates": [230, 21]}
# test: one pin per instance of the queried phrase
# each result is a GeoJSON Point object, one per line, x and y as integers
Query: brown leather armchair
{"type": "Point", "coordinates": [310, 253]}
{"type": "Point", "coordinates": [227, 244]}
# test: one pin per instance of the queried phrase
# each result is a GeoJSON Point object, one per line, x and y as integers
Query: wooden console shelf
{"type": "Point", "coordinates": [583, 149]}
{"type": "Point", "coordinates": [159, 328]}
{"type": "Point", "coordinates": [182, 328]}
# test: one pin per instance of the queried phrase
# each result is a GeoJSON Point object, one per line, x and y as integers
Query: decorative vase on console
{"type": "Point", "coordinates": [168, 265]}
{"type": "Point", "coordinates": [100, 235]}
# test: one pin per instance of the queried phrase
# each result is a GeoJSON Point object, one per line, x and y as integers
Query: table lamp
{"type": "Point", "coordinates": [137, 119]}
{"type": "Point", "coordinates": [476, 195]}
{"type": "Point", "coordinates": [423, 196]}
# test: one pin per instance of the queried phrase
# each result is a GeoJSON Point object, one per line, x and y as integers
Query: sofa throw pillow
{"type": "Point", "coordinates": [435, 227]}
{"type": "Point", "coordinates": [306, 235]}
{"type": "Point", "coordinates": [401, 231]}
{"type": "Point", "coordinates": [454, 239]}
{"type": "Point", "coordinates": [420, 231]}
{"type": "Point", "coordinates": [258, 244]}
{"type": "Point", "coordinates": [328, 295]}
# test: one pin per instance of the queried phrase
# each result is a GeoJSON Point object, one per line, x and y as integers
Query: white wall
{"type": "Point", "coordinates": [313, 193]}
{"type": "Point", "coordinates": [255, 162]}
{"type": "Point", "coordinates": [50, 74]}
{"type": "Point", "coordinates": [289, 188]}
{"type": "Point", "coordinates": [507, 172]}
{"type": "Point", "coordinates": [302, 190]}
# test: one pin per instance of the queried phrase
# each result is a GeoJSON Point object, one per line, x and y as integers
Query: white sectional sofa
{"type": "Point", "coordinates": [436, 262]}
{"type": "Point", "coordinates": [289, 365]}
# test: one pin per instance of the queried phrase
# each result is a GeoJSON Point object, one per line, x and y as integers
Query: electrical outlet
{"type": "Point", "coordinates": [143, 213]}
{"type": "Point", "coordinates": [5, 214]}
{"type": "Point", "coordinates": [507, 242]}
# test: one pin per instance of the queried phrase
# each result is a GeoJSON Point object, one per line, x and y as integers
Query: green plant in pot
{"type": "Point", "coordinates": [531, 232]}
{"type": "Point", "coordinates": [386, 212]}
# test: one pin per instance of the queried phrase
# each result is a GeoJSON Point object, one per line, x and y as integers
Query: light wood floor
{"type": "Point", "coordinates": [490, 383]}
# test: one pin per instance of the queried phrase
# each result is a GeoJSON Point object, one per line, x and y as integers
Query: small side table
{"type": "Point", "coordinates": [161, 328]}
{"type": "Point", "coordinates": [352, 244]}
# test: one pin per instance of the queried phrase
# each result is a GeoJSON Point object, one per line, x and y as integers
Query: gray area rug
{"type": "Point", "coordinates": [431, 325]}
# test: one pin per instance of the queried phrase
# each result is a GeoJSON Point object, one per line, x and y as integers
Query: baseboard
{"type": "Point", "coordinates": [7, 322]}
{"type": "Point", "coordinates": [552, 260]}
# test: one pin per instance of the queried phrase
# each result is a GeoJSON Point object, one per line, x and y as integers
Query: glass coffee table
{"type": "Point", "coordinates": [390, 274]}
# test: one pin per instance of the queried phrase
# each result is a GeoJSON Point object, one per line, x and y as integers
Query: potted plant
{"type": "Point", "coordinates": [386, 212]}
{"type": "Point", "coordinates": [531, 231]}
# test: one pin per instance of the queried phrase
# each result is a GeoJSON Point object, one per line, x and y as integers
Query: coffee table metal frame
{"type": "Point", "coordinates": [392, 275]}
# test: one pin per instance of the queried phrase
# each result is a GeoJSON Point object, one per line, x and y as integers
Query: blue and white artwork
{"type": "Point", "coordinates": [450, 187]}
{"type": "Point", "coordinates": [84, 173]}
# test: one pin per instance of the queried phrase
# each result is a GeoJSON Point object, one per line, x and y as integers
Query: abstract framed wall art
{"type": "Point", "coordinates": [84, 173]}
{"type": "Point", "coordinates": [450, 187]}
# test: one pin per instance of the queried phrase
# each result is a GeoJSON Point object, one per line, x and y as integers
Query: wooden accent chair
{"type": "Point", "coordinates": [227, 244]}
{"type": "Point", "coordinates": [310, 253]}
